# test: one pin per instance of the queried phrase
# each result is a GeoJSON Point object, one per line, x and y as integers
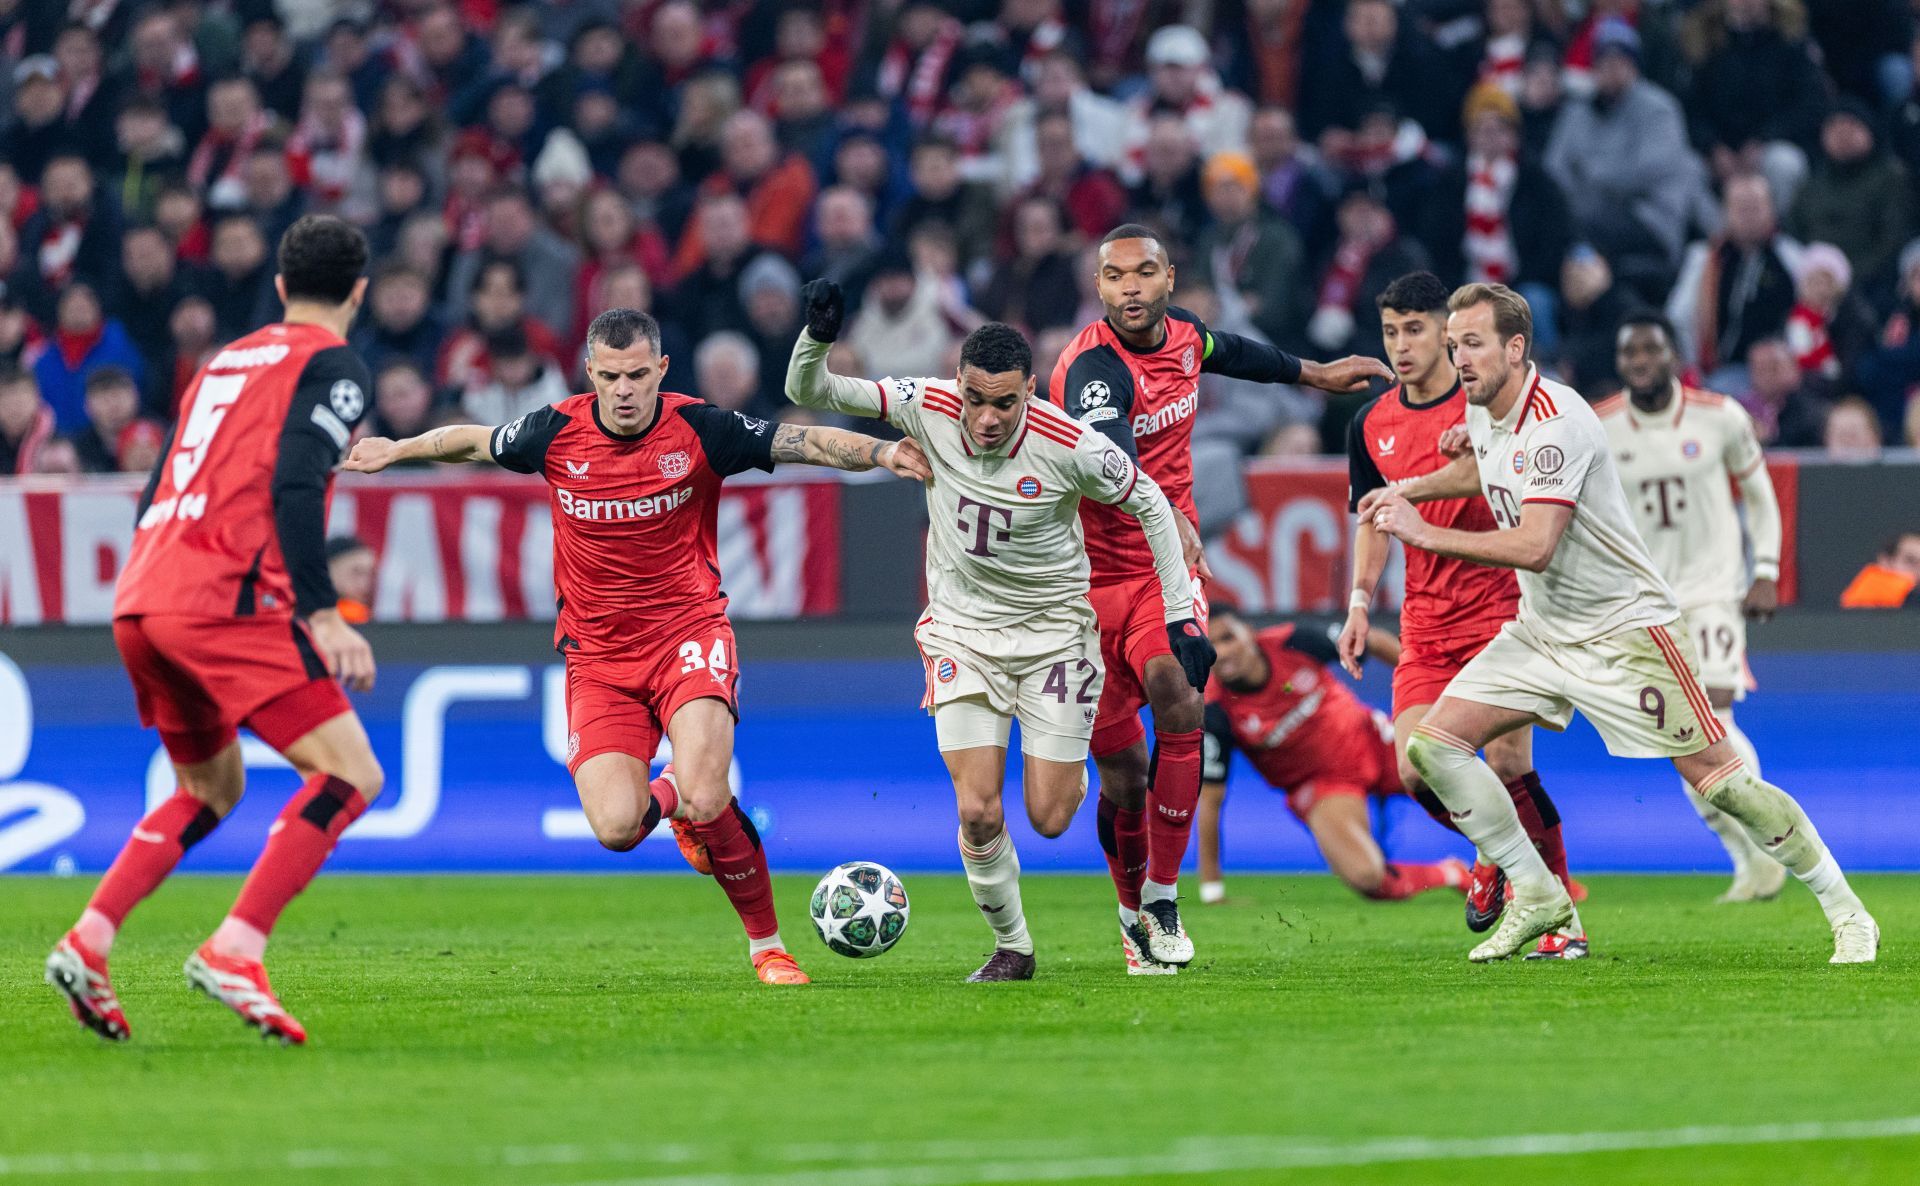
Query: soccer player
{"type": "Point", "coordinates": [225, 616]}
{"type": "Point", "coordinates": [1452, 607]}
{"type": "Point", "coordinates": [1009, 632]}
{"type": "Point", "coordinates": [1681, 452]}
{"type": "Point", "coordinates": [1593, 631]}
{"type": "Point", "coordinates": [635, 477]}
{"type": "Point", "coordinates": [1133, 376]}
{"type": "Point", "coordinates": [1273, 698]}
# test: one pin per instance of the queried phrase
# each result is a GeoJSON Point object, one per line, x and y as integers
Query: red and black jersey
{"type": "Point", "coordinates": [1303, 725]}
{"type": "Point", "coordinates": [233, 520]}
{"type": "Point", "coordinates": [1145, 401]}
{"type": "Point", "coordinates": [633, 516]}
{"type": "Point", "coordinates": [1391, 440]}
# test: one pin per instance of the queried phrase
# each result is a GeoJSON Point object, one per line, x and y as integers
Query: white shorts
{"type": "Point", "coordinates": [1044, 671]}
{"type": "Point", "coordinates": [1639, 688]}
{"type": "Point", "coordinates": [1719, 635]}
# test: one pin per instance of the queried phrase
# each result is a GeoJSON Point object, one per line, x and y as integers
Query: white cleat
{"type": "Point", "coordinates": [1761, 881]}
{"type": "Point", "coordinates": [1133, 945]}
{"type": "Point", "coordinates": [1856, 940]}
{"type": "Point", "coordinates": [1167, 939]}
{"type": "Point", "coordinates": [1522, 923]}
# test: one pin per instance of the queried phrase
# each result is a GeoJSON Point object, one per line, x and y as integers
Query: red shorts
{"type": "Point", "coordinates": [1371, 751]}
{"type": "Point", "coordinates": [1133, 629]}
{"type": "Point", "coordinates": [198, 679]}
{"type": "Point", "coordinates": [1425, 669]}
{"type": "Point", "coordinates": [621, 704]}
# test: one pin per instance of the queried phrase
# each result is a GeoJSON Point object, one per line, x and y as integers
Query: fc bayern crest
{"type": "Point", "coordinates": [1186, 360]}
{"type": "Point", "coordinates": [1028, 487]}
{"type": "Point", "coordinates": [1520, 461]}
{"type": "Point", "coordinates": [675, 464]}
{"type": "Point", "coordinates": [1689, 449]}
{"type": "Point", "coordinates": [944, 670]}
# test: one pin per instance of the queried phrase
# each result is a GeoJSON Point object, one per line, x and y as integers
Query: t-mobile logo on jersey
{"type": "Point", "coordinates": [1665, 497]}
{"type": "Point", "coordinates": [983, 527]}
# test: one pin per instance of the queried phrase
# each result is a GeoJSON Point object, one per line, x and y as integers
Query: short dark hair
{"type": "Point", "coordinates": [10, 373]}
{"type": "Point", "coordinates": [1415, 292]}
{"type": "Point", "coordinates": [1130, 230]}
{"type": "Point", "coordinates": [345, 545]}
{"type": "Point", "coordinates": [492, 263]}
{"type": "Point", "coordinates": [617, 329]}
{"type": "Point", "coordinates": [1652, 320]}
{"type": "Point", "coordinates": [997, 347]}
{"type": "Point", "coordinates": [321, 258]}
{"type": "Point", "coordinates": [102, 378]}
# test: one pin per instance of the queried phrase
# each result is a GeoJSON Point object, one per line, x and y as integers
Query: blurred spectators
{"type": "Point", "coordinates": [1859, 197]}
{"type": "Point", "coordinates": [26, 422]}
{"type": "Point", "coordinates": [1829, 320]}
{"type": "Point", "coordinates": [353, 567]}
{"type": "Point", "coordinates": [112, 407]}
{"type": "Point", "coordinates": [726, 370]}
{"type": "Point", "coordinates": [518, 379]}
{"type": "Point", "coordinates": [1888, 582]}
{"type": "Point", "coordinates": [1789, 409]}
{"type": "Point", "coordinates": [901, 328]}
{"type": "Point", "coordinates": [1592, 306]}
{"type": "Point", "coordinates": [1852, 431]}
{"type": "Point", "coordinates": [83, 341]}
{"type": "Point", "coordinates": [770, 289]}
{"type": "Point", "coordinates": [1255, 254]}
{"type": "Point", "coordinates": [1738, 286]}
{"type": "Point", "coordinates": [401, 322]}
{"type": "Point", "coordinates": [403, 403]}
{"type": "Point", "coordinates": [497, 302]}
{"type": "Point", "coordinates": [1757, 96]}
{"type": "Point", "coordinates": [1376, 62]}
{"type": "Point", "coordinates": [71, 235]}
{"type": "Point", "coordinates": [547, 263]}
{"type": "Point", "coordinates": [1033, 288]}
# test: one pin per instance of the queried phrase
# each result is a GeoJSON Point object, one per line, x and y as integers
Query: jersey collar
{"type": "Point", "coordinates": [659, 403]}
{"type": "Point", "coordinates": [1014, 440]}
{"type": "Point", "coordinates": [1636, 418]}
{"type": "Point", "coordinates": [1432, 404]}
{"type": "Point", "coordinates": [1166, 335]}
{"type": "Point", "coordinates": [1517, 414]}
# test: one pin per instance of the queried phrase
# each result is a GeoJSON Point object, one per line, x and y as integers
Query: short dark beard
{"type": "Point", "coordinates": [1653, 399]}
{"type": "Point", "coordinates": [1156, 317]}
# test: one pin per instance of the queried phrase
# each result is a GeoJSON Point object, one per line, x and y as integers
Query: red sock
{"type": "Point", "coordinates": [300, 842]}
{"type": "Point", "coordinates": [1435, 809]}
{"type": "Point", "coordinates": [1541, 820]}
{"type": "Point", "coordinates": [1404, 881]}
{"type": "Point", "coordinates": [1172, 793]}
{"type": "Point", "coordinates": [740, 866]}
{"type": "Point", "coordinates": [156, 846]}
{"type": "Point", "coordinates": [1123, 837]}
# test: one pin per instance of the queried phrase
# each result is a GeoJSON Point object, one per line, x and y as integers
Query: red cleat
{"type": "Point", "coordinates": [777, 967]}
{"type": "Point", "coordinates": [81, 977]}
{"type": "Point", "coordinates": [692, 848]}
{"type": "Point", "coordinates": [241, 985]}
{"type": "Point", "coordinates": [1486, 896]}
{"type": "Point", "coordinates": [1556, 946]}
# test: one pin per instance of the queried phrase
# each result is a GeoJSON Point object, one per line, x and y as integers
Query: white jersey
{"type": "Point", "coordinates": [1550, 448]}
{"type": "Point", "coordinates": [1004, 541]}
{"type": "Point", "coordinates": [1679, 467]}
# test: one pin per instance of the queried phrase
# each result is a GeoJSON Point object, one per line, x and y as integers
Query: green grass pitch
{"type": "Point", "coordinates": [598, 1030]}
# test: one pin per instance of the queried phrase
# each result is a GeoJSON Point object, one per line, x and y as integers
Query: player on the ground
{"type": "Point", "coordinates": [1273, 698]}
{"type": "Point", "coordinates": [225, 616]}
{"type": "Point", "coordinates": [1593, 631]}
{"type": "Point", "coordinates": [1452, 607]}
{"type": "Point", "coordinates": [1681, 452]}
{"type": "Point", "coordinates": [635, 477]}
{"type": "Point", "coordinates": [1008, 631]}
{"type": "Point", "coordinates": [1134, 376]}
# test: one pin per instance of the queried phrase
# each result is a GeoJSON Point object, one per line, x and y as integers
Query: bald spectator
{"type": "Point", "coordinates": [1250, 252]}
{"type": "Point", "coordinates": [776, 186]}
{"type": "Point", "coordinates": [513, 232]}
{"type": "Point", "coordinates": [1738, 286]}
{"type": "Point", "coordinates": [726, 370]}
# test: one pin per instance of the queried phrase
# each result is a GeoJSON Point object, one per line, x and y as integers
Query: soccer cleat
{"type": "Point", "coordinates": [1760, 881]}
{"type": "Point", "coordinates": [1167, 940]}
{"type": "Point", "coordinates": [81, 977]}
{"type": "Point", "coordinates": [1856, 940]}
{"type": "Point", "coordinates": [241, 985]}
{"type": "Point", "coordinates": [1486, 896]}
{"type": "Point", "coordinates": [777, 967]}
{"type": "Point", "coordinates": [1523, 922]}
{"type": "Point", "coordinates": [1559, 946]}
{"type": "Point", "coordinates": [1003, 965]}
{"type": "Point", "coordinates": [1133, 945]}
{"type": "Point", "coordinates": [692, 848]}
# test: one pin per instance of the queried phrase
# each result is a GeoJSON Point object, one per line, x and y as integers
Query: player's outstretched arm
{"type": "Point", "coordinates": [1459, 478]}
{"type": "Point", "coordinates": [836, 448]}
{"type": "Point", "coordinates": [454, 442]}
{"type": "Point", "coordinates": [811, 385]}
{"type": "Point", "coordinates": [1529, 546]}
{"type": "Point", "coordinates": [1237, 357]}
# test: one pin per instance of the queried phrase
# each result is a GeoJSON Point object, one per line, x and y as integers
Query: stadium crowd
{"type": "Point", "coordinates": [1745, 165]}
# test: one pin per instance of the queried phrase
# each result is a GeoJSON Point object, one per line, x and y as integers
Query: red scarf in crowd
{"type": "Point", "coordinates": [1807, 337]}
{"type": "Point", "coordinates": [58, 250]}
{"type": "Point", "coordinates": [1349, 268]}
{"type": "Point", "coordinates": [1488, 243]}
{"type": "Point", "coordinates": [75, 346]}
{"type": "Point", "coordinates": [919, 79]}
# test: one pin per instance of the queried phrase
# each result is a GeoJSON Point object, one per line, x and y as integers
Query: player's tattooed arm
{"type": "Point", "coordinates": [837, 448]}
{"type": "Point", "coordinates": [453, 442]}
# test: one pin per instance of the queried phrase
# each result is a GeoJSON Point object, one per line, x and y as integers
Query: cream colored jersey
{"type": "Point", "coordinates": [1004, 540]}
{"type": "Point", "coordinates": [1679, 467]}
{"type": "Point", "coordinates": [1550, 448]}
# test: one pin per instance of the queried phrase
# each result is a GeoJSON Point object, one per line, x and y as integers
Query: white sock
{"type": "Point", "coordinates": [1153, 891]}
{"type": "Point", "coordinates": [1128, 917]}
{"type": "Point", "coordinates": [1830, 888]}
{"type": "Point", "coordinates": [993, 874]}
{"type": "Point", "coordinates": [770, 943]}
{"type": "Point", "coordinates": [1483, 811]}
{"type": "Point", "coordinates": [1781, 829]}
{"type": "Point", "coordinates": [241, 940]}
{"type": "Point", "coordinates": [1741, 849]}
{"type": "Point", "coordinates": [96, 932]}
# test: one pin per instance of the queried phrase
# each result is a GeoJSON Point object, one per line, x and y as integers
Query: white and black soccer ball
{"type": "Point", "coordinates": [860, 909]}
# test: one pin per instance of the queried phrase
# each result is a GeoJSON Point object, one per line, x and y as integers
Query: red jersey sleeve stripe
{"type": "Point", "coordinates": [1563, 502]}
{"type": "Point", "coordinates": [1050, 432]}
{"type": "Point", "coordinates": [1131, 483]}
{"type": "Point", "coordinates": [881, 388]}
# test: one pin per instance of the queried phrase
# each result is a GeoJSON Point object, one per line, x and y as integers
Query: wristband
{"type": "Point", "coordinates": [1766, 570]}
{"type": "Point", "coordinates": [1359, 600]}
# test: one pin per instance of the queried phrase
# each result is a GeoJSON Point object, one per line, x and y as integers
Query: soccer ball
{"type": "Point", "coordinates": [860, 909]}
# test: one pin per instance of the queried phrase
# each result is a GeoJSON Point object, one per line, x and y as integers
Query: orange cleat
{"type": "Point", "coordinates": [777, 967]}
{"type": "Point", "coordinates": [692, 848]}
{"type": "Point", "coordinates": [241, 985]}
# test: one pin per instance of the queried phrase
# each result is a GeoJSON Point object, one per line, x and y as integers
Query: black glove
{"type": "Point", "coordinates": [1191, 647]}
{"type": "Point", "coordinates": [826, 308]}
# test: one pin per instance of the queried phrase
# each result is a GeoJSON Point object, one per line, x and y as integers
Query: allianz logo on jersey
{"type": "Point", "coordinates": [645, 507]}
{"type": "Point", "coordinates": [247, 359]}
{"type": "Point", "coordinates": [1147, 424]}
